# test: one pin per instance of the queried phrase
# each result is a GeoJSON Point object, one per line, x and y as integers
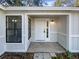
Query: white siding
{"type": "Point", "coordinates": [62, 28]}
{"type": "Point", "coordinates": [74, 33]}
{"type": "Point", "coordinates": [53, 31]}
{"type": "Point", "coordinates": [2, 32]}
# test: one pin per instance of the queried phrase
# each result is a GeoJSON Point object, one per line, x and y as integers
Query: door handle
{"type": "Point", "coordinates": [44, 31]}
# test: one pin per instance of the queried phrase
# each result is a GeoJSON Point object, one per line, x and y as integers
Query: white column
{"type": "Point", "coordinates": [27, 42]}
{"type": "Point", "coordinates": [2, 32]}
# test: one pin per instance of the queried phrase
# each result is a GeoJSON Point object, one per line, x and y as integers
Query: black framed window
{"type": "Point", "coordinates": [47, 29]}
{"type": "Point", "coordinates": [13, 29]}
{"type": "Point", "coordinates": [29, 28]}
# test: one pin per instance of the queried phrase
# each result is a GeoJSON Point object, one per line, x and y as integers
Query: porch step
{"type": "Point", "coordinates": [44, 55]}
{"type": "Point", "coordinates": [53, 55]}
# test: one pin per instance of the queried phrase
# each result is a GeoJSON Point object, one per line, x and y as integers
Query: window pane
{"type": "Point", "coordinates": [29, 28]}
{"type": "Point", "coordinates": [13, 29]}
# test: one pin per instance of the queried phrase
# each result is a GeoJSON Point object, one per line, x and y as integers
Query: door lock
{"type": "Point", "coordinates": [44, 31]}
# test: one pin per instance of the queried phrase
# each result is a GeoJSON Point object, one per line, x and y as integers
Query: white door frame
{"type": "Point", "coordinates": [68, 14]}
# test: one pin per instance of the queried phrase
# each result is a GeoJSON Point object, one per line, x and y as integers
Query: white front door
{"type": "Point", "coordinates": [41, 29]}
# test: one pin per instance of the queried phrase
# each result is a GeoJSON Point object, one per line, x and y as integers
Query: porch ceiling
{"type": "Point", "coordinates": [46, 16]}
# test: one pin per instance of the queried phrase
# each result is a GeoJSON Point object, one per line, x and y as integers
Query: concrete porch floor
{"type": "Point", "coordinates": [51, 47]}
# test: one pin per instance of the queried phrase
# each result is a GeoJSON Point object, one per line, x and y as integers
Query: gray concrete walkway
{"type": "Point", "coordinates": [45, 47]}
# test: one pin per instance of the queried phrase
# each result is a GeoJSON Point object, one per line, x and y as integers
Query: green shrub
{"type": "Point", "coordinates": [69, 55]}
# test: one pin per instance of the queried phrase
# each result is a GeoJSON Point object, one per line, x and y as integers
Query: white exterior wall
{"type": "Point", "coordinates": [74, 33]}
{"type": "Point", "coordinates": [53, 31]}
{"type": "Point", "coordinates": [2, 32]}
{"type": "Point", "coordinates": [62, 34]}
